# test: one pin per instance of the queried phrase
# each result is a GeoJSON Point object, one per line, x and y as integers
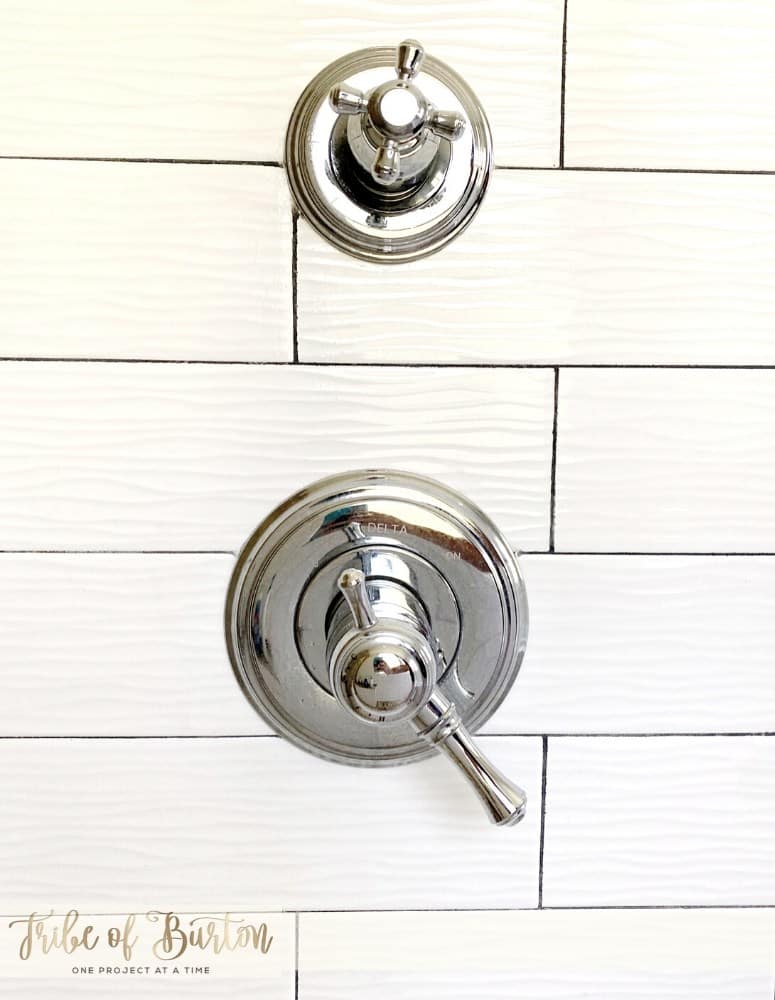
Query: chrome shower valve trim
{"type": "Point", "coordinates": [379, 617]}
{"type": "Point", "coordinates": [388, 170]}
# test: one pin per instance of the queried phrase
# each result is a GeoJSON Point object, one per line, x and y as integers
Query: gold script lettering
{"type": "Point", "coordinates": [215, 934]}
{"type": "Point", "coordinates": [52, 936]}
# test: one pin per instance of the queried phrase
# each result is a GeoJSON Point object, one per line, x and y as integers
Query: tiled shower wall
{"type": "Point", "coordinates": [593, 362]}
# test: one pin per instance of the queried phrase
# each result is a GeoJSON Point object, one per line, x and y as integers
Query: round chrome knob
{"type": "Point", "coordinates": [380, 669]}
{"type": "Point", "coordinates": [382, 679]}
{"type": "Point", "coordinates": [385, 671]}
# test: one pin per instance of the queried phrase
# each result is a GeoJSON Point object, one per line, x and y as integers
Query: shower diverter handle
{"type": "Point", "coordinates": [385, 668]}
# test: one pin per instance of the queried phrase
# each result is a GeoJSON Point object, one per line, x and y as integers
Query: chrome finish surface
{"type": "Point", "coordinates": [382, 671]}
{"type": "Point", "coordinates": [284, 606]}
{"type": "Point", "coordinates": [388, 170]}
{"type": "Point", "coordinates": [374, 616]}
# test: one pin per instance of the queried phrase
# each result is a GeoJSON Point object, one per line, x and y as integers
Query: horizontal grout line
{"type": "Point", "coordinates": [529, 909]}
{"type": "Point", "coordinates": [192, 736]}
{"type": "Point", "coordinates": [658, 555]}
{"type": "Point", "coordinates": [549, 168]}
{"type": "Point", "coordinates": [117, 552]}
{"type": "Point", "coordinates": [451, 365]}
{"type": "Point", "coordinates": [480, 735]}
{"type": "Point", "coordinates": [690, 171]}
{"type": "Point", "coordinates": [443, 909]}
{"type": "Point", "coordinates": [520, 552]}
{"type": "Point", "coordinates": [148, 159]}
{"type": "Point", "coordinates": [666, 734]}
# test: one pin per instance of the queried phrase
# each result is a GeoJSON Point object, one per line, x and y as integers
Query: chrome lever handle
{"type": "Point", "coordinates": [439, 723]}
{"type": "Point", "coordinates": [385, 670]}
{"type": "Point", "coordinates": [352, 584]}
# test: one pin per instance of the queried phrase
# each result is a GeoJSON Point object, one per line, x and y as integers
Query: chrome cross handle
{"type": "Point", "coordinates": [384, 665]}
{"type": "Point", "coordinates": [399, 128]}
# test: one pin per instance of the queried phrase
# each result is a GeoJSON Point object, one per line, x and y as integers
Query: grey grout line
{"type": "Point", "coordinates": [563, 72]}
{"type": "Point", "coordinates": [544, 761]}
{"type": "Point", "coordinates": [553, 471]}
{"type": "Point", "coordinates": [485, 736]}
{"type": "Point", "coordinates": [452, 909]}
{"type": "Point", "coordinates": [204, 162]}
{"type": "Point", "coordinates": [520, 552]}
{"type": "Point", "coordinates": [535, 909]}
{"type": "Point", "coordinates": [657, 555]}
{"type": "Point", "coordinates": [659, 735]}
{"type": "Point", "coordinates": [294, 282]}
{"type": "Point", "coordinates": [296, 949]}
{"type": "Point", "coordinates": [688, 171]}
{"type": "Point", "coordinates": [666, 906]}
{"type": "Point", "coordinates": [592, 907]}
{"type": "Point", "coordinates": [371, 363]}
{"type": "Point", "coordinates": [152, 736]}
{"type": "Point", "coordinates": [276, 164]}
{"type": "Point", "coordinates": [117, 552]}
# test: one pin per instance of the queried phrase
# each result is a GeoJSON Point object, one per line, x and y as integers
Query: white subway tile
{"type": "Point", "coordinates": [168, 79]}
{"type": "Point", "coordinates": [564, 267]}
{"type": "Point", "coordinates": [194, 456]}
{"type": "Point", "coordinates": [109, 645]}
{"type": "Point", "coordinates": [132, 644]}
{"type": "Point", "coordinates": [543, 955]}
{"type": "Point", "coordinates": [683, 84]}
{"type": "Point", "coordinates": [629, 644]}
{"type": "Point", "coordinates": [254, 824]}
{"type": "Point", "coordinates": [128, 260]}
{"type": "Point", "coordinates": [666, 460]}
{"type": "Point", "coordinates": [660, 821]}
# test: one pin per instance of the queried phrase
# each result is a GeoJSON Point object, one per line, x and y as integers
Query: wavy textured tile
{"type": "Point", "coordinates": [626, 644]}
{"type": "Point", "coordinates": [669, 822]}
{"type": "Point", "coordinates": [125, 260]}
{"type": "Point", "coordinates": [133, 645]}
{"type": "Point", "coordinates": [193, 456]}
{"type": "Point", "coordinates": [666, 461]}
{"type": "Point", "coordinates": [562, 267]}
{"type": "Point", "coordinates": [109, 645]}
{"type": "Point", "coordinates": [684, 84]}
{"type": "Point", "coordinates": [253, 825]}
{"type": "Point", "coordinates": [637, 955]}
{"type": "Point", "coordinates": [171, 79]}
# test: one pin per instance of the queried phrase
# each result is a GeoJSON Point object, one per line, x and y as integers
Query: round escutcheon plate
{"type": "Point", "coordinates": [399, 529]}
{"type": "Point", "coordinates": [350, 222]}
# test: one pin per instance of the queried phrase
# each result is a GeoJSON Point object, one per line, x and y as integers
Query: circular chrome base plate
{"type": "Point", "coordinates": [351, 225]}
{"type": "Point", "coordinates": [395, 527]}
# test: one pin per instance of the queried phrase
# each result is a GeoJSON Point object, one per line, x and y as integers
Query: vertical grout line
{"type": "Point", "coordinates": [294, 282]}
{"type": "Point", "coordinates": [545, 742]}
{"type": "Point", "coordinates": [296, 972]}
{"type": "Point", "coordinates": [553, 473]}
{"type": "Point", "coordinates": [562, 82]}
